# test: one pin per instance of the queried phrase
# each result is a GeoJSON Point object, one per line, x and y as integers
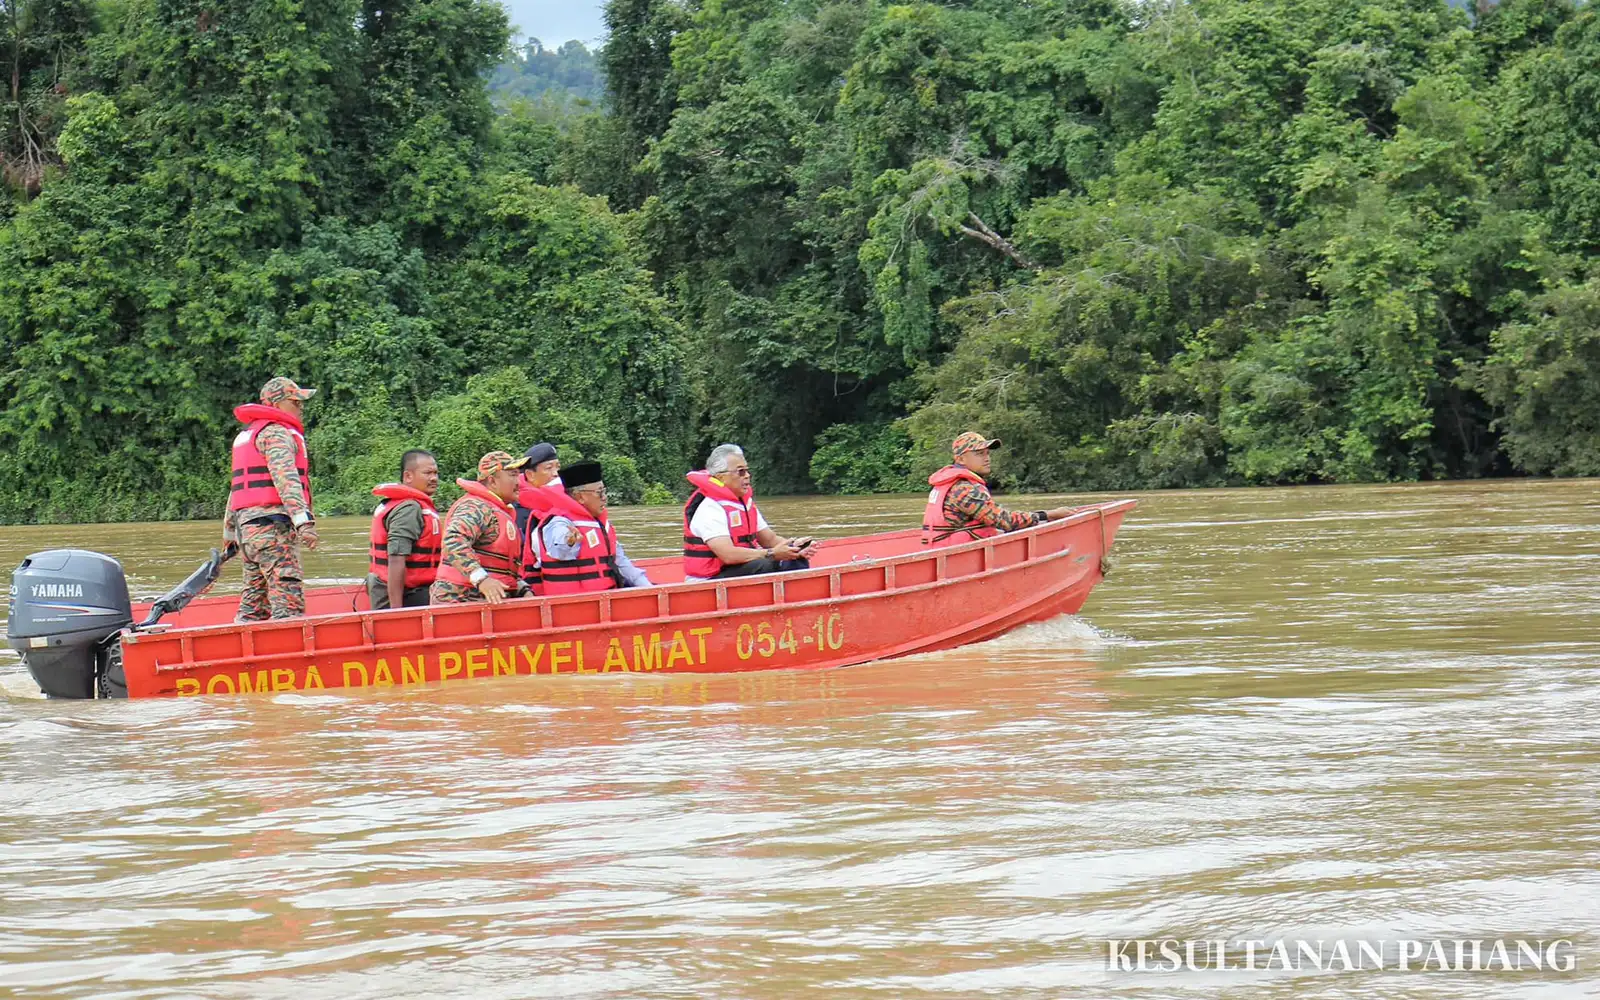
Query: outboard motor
{"type": "Point", "coordinates": [68, 606]}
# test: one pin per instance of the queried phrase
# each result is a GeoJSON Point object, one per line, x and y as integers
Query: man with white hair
{"type": "Point", "coordinates": [724, 535]}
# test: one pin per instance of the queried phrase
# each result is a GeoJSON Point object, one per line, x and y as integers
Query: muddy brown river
{"type": "Point", "coordinates": [1354, 713]}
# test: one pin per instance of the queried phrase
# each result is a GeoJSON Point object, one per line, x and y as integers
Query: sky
{"type": "Point", "coordinates": [557, 21]}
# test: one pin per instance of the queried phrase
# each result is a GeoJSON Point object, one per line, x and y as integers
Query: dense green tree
{"type": "Point", "coordinates": [1149, 244]}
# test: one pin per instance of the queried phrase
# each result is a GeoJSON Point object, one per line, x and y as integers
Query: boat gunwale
{"type": "Point", "coordinates": [1098, 511]}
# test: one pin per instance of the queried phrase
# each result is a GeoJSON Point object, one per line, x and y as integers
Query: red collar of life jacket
{"type": "Point", "coordinates": [249, 413]}
{"type": "Point", "coordinates": [951, 473]}
{"type": "Point", "coordinates": [713, 487]}
{"type": "Point", "coordinates": [400, 491]}
{"type": "Point", "coordinates": [472, 487]}
{"type": "Point", "coordinates": [537, 498]}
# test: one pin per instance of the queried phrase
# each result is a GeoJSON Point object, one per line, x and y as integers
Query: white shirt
{"type": "Point", "coordinates": [710, 521]}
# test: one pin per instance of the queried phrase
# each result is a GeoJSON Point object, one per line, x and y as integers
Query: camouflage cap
{"type": "Point", "coordinates": [972, 441]}
{"type": "Point", "coordinates": [279, 389]}
{"type": "Point", "coordinates": [497, 461]}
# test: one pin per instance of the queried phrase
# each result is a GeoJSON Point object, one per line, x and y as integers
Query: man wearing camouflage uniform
{"type": "Point", "coordinates": [966, 510]}
{"type": "Point", "coordinates": [269, 508]}
{"type": "Point", "coordinates": [481, 553]}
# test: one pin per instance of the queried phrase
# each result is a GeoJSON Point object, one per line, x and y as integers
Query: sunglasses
{"type": "Point", "coordinates": [739, 472]}
{"type": "Point", "coordinates": [599, 491]}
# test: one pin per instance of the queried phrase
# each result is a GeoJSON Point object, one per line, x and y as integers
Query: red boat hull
{"type": "Point", "coordinates": [867, 598]}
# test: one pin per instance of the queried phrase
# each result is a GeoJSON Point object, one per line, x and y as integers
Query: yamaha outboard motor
{"type": "Point", "coordinates": [68, 606]}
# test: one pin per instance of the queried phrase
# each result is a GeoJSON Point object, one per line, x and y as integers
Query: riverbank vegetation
{"type": "Point", "coordinates": [1175, 243]}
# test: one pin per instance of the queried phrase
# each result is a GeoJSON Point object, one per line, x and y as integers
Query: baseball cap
{"type": "Point", "coordinates": [279, 389]}
{"type": "Point", "coordinates": [497, 461]}
{"type": "Point", "coordinates": [972, 441]}
{"type": "Point", "coordinates": [544, 451]}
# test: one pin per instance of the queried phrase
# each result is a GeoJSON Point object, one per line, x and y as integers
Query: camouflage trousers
{"type": "Point", "coordinates": [273, 585]}
{"type": "Point", "coordinates": [444, 592]}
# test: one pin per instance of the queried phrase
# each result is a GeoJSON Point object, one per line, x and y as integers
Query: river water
{"type": "Point", "coordinates": [1364, 713]}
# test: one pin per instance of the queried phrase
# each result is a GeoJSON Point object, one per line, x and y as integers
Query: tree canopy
{"type": "Point", "coordinates": [1182, 243]}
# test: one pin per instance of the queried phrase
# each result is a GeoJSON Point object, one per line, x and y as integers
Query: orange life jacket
{"type": "Point", "coordinates": [594, 567]}
{"type": "Point", "coordinates": [252, 480]}
{"type": "Point", "coordinates": [936, 528]}
{"type": "Point", "coordinates": [698, 559]}
{"type": "Point", "coordinates": [422, 562]}
{"type": "Point", "coordinates": [500, 555]}
{"type": "Point", "coordinates": [533, 505]}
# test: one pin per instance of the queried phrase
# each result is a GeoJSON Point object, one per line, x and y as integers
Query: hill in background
{"type": "Point", "coordinates": [560, 75]}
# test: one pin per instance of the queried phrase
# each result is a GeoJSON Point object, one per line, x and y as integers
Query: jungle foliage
{"type": "Point", "coordinates": [1174, 243]}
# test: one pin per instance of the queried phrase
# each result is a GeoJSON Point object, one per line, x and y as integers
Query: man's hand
{"type": "Point", "coordinates": [308, 535]}
{"type": "Point", "coordinates": [492, 590]}
{"type": "Point", "coordinates": [805, 546]}
{"type": "Point", "coordinates": [785, 550]}
{"type": "Point", "coordinates": [1059, 512]}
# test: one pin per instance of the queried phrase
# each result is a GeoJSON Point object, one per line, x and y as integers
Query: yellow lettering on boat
{"type": "Point", "coordinates": [533, 657]}
{"type": "Point", "coordinates": [258, 685]}
{"type": "Point", "coordinates": [581, 669]}
{"type": "Point", "coordinates": [414, 674]}
{"type": "Point", "coordinates": [381, 677]}
{"type": "Point", "coordinates": [614, 657]}
{"type": "Point", "coordinates": [314, 678]}
{"type": "Point", "coordinates": [187, 686]}
{"type": "Point", "coordinates": [477, 661]}
{"type": "Point", "coordinates": [449, 666]}
{"type": "Point", "coordinates": [680, 650]}
{"type": "Point", "coordinates": [505, 662]}
{"type": "Point", "coordinates": [361, 669]}
{"type": "Point", "coordinates": [556, 658]}
{"type": "Point", "coordinates": [217, 681]}
{"type": "Point", "coordinates": [647, 657]}
{"type": "Point", "coordinates": [283, 679]}
{"type": "Point", "coordinates": [700, 636]}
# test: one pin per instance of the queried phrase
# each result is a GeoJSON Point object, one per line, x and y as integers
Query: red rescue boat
{"type": "Point", "coordinates": [865, 598]}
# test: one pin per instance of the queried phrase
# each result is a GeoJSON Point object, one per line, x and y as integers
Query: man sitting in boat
{"type": "Point", "coordinates": [405, 533]}
{"type": "Point", "coordinates": [578, 548]}
{"type": "Point", "coordinates": [724, 535]}
{"type": "Point", "coordinates": [543, 470]}
{"type": "Point", "coordinates": [960, 508]}
{"type": "Point", "coordinates": [480, 558]}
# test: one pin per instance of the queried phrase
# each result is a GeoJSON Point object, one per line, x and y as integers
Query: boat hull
{"type": "Point", "coordinates": [868, 598]}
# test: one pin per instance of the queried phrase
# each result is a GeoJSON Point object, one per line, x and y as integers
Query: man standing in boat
{"type": "Point", "coordinates": [269, 502]}
{"type": "Point", "coordinates": [405, 535]}
{"type": "Point", "coordinates": [724, 535]}
{"type": "Point", "coordinates": [960, 508]}
{"type": "Point", "coordinates": [481, 558]}
{"type": "Point", "coordinates": [578, 547]}
{"type": "Point", "coordinates": [540, 478]}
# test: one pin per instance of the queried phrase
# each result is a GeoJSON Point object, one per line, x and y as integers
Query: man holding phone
{"type": "Point", "coordinates": [724, 535]}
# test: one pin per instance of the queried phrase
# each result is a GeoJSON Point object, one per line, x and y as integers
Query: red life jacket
{"type": "Point", "coordinates": [938, 529]}
{"type": "Point", "coordinates": [500, 555]}
{"type": "Point", "coordinates": [533, 505]}
{"type": "Point", "coordinates": [422, 562]}
{"type": "Point", "coordinates": [594, 567]}
{"type": "Point", "coordinates": [698, 559]}
{"type": "Point", "coordinates": [252, 480]}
